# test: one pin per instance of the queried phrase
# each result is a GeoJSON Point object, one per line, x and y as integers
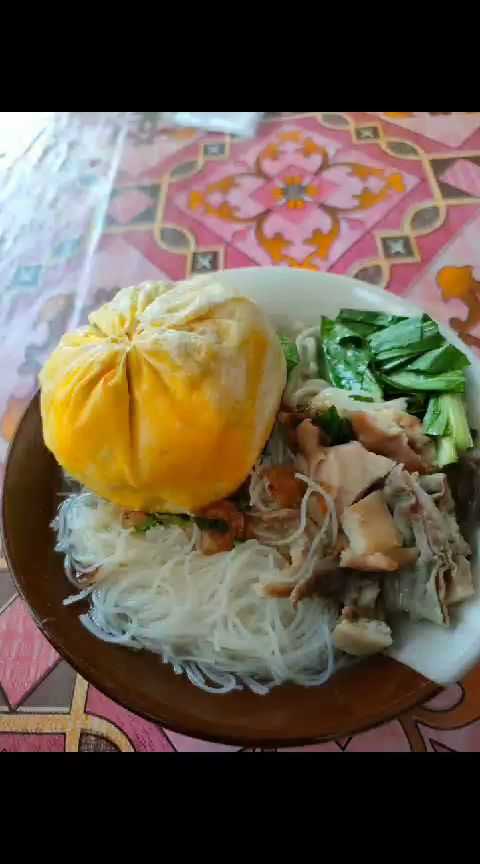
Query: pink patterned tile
{"type": "Point", "coordinates": [184, 744]}
{"type": "Point", "coordinates": [7, 589]}
{"type": "Point", "coordinates": [25, 655]}
{"type": "Point", "coordinates": [153, 159]}
{"type": "Point", "coordinates": [329, 747]}
{"type": "Point", "coordinates": [295, 200]}
{"type": "Point", "coordinates": [119, 263]}
{"type": "Point", "coordinates": [4, 706]}
{"type": "Point", "coordinates": [460, 248]}
{"type": "Point", "coordinates": [145, 737]}
{"type": "Point", "coordinates": [463, 175]}
{"type": "Point", "coordinates": [465, 740]}
{"type": "Point", "coordinates": [128, 204]}
{"type": "Point", "coordinates": [151, 255]}
{"type": "Point", "coordinates": [23, 743]}
{"type": "Point", "coordinates": [447, 699]}
{"type": "Point", "coordinates": [389, 738]}
{"type": "Point", "coordinates": [446, 129]}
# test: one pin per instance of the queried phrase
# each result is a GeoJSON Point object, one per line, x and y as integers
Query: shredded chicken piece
{"type": "Point", "coordinates": [349, 470]}
{"type": "Point", "coordinates": [394, 434]}
{"type": "Point", "coordinates": [422, 590]}
{"type": "Point", "coordinates": [284, 488]}
{"type": "Point", "coordinates": [460, 584]}
{"type": "Point", "coordinates": [369, 526]}
{"type": "Point", "coordinates": [212, 541]}
{"type": "Point", "coordinates": [290, 420]}
{"type": "Point", "coordinates": [363, 637]}
{"type": "Point", "coordinates": [311, 447]}
{"type": "Point", "coordinates": [376, 562]}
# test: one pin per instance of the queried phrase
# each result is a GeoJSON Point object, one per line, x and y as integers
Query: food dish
{"type": "Point", "coordinates": [310, 514]}
{"type": "Point", "coordinates": [280, 276]}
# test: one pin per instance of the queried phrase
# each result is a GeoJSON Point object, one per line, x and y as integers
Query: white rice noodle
{"type": "Point", "coordinates": [331, 521]}
{"type": "Point", "coordinates": [330, 517]}
{"type": "Point", "coordinates": [202, 614]}
{"type": "Point", "coordinates": [307, 347]}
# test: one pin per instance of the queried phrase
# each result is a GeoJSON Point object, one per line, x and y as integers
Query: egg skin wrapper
{"type": "Point", "coordinates": [166, 399]}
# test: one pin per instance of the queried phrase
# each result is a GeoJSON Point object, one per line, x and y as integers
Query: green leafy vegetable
{"type": "Point", "coordinates": [435, 421]}
{"type": "Point", "coordinates": [446, 452]}
{"type": "Point", "coordinates": [398, 359]}
{"type": "Point", "coordinates": [371, 353]}
{"type": "Point", "coordinates": [451, 382]}
{"type": "Point", "coordinates": [290, 352]}
{"type": "Point", "coordinates": [373, 319]}
{"type": "Point", "coordinates": [410, 336]}
{"type": "Point", "coordinates": [150, 522]}
{"type": "Point", "coordinates": [346, 360]}
{"type": "Point", "coordinates": [338, 429]}
{"type": "Point", "coordinates": [447, 415]}
{"type": "Point", "coordinates": [458, 422]}
{"type": "Point", "coordinates": [359, 328]}
{"type": "Point", "coordinates": [172, 519]}
{"type": "Point", "coordinates": [444, 359]}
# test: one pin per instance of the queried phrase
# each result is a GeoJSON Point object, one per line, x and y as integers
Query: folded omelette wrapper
{"type": "Point", "coordinates": [166, 399]}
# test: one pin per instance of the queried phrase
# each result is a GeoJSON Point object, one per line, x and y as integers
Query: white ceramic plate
{"type": "Point", "coordinates": [288, 295]}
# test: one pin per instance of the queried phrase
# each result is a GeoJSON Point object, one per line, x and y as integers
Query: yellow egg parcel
{"type": "Point", "coordinates": [165, 400]}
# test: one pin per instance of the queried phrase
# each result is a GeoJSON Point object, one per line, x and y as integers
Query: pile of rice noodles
{"type": "Point", "coordinates": [203, 614]}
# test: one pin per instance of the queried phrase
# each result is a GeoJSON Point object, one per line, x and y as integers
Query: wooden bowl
{"type": "Point", "coordinates": [354, 700]}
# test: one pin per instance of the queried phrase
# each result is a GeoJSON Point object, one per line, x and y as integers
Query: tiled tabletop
{"type": "Point", "coordinates": [92, 202]}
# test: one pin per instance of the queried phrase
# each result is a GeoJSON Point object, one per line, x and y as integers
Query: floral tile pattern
{"type": "Point", "coordinates": [91, 202]}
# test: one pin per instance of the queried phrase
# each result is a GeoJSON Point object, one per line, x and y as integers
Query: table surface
{"type": "Point", "coordinates": [92, 202]}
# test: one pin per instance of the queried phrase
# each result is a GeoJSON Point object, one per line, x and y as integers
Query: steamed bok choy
{"type": "Point", "coordinates": [446, 420]}
{"type": "Point", "coordinates": [377, 356]}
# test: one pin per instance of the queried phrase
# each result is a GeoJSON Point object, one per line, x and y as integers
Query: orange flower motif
{"type": "Point", "coordinates": [398, 115]}
{"type": "Point", "coordinates": [197, 200]}
{"type": "Point", "coordinates": [293, 136]}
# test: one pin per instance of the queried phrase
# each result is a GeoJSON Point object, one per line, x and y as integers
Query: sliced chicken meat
{"type": "Point", "coordinates": [460, 583]}
{"type": "Point", "coordinates": [375, 543]}
{"type": "Point", "coordinates": [310, 440]}
{"type": "Point", "coordinates": [363, 637]}
{"type": "Point", "coordinates": [290, 421]}
{"type": "Point", "coordinates": [349, 470]}
{"type": "Point", "coordinates": [369, 525]}
{"type": "Point", "coordinates": [283, 486]}
{"type": "Point", "coordinates": [378, 562]}
{"type": "Point", "coordinates": [394, 434]}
